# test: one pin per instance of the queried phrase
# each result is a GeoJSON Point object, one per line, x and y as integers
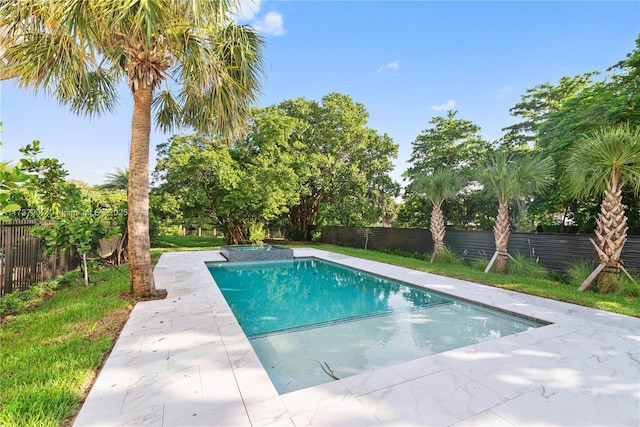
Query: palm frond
{"type": "Point", "coordinates": [604, 156]}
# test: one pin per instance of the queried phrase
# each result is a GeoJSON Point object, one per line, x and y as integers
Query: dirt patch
{"type": "Point", "coordinates": [110, 325]}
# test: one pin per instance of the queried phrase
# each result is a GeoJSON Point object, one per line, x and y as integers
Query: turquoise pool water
{"type": "Point", "coordinates": [312, 321]}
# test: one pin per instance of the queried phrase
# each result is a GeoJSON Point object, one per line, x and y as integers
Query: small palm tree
{"type": "Point", "coordinates": [188, 61]}
{"type": "Point", "coordinates": [437, 187]}
{"type": "Point", "coordinates": [603, 162]}
{"type": "Point", "coordinates": [118, 180]}
{"type": "Point", "coordinates": [511, 178]}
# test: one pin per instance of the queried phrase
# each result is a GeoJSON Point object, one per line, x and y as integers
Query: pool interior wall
{"type": "Point", "coordinates": [311, 321]}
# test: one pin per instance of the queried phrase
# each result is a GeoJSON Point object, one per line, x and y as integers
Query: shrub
{"type": "Point", "coordinates": [526, 267]}
{"type": "Point", "coordinates": [448, 258]}
{"type": "Point", "coordinates": [406, 254]}
{"type": "Point", "coordinates": [170, 230]}
{"type": "Point", "coordinates": [578, 272]}
{"type": "Point", "coordinates": [479, 264]}
{"type": "Point", "coordinates": [18, 300]}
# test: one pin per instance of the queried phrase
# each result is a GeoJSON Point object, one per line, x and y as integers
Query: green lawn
{"type": "Point", "coordinates": [185, 242]}
{"type": "Point", "coordinates": [51, 350]}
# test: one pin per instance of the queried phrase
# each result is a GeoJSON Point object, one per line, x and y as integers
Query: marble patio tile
{"type": "Point", "coordinates": [204, 412]}
{"type": "Point", "coordinates": [440, 399]}
{"type": "Point", "coordinates": [371, 381]}
{"type": "Point", "coordinates": [417, 368]}
{"type": "Point", "coordinates": [162, 388]}
{"type": "Point", "coordinates": [284, 422]}
{"type": "Point", "coordinates": [542, 407]}
{"type": "Point", "coordinates": [107, 399]}
{"type": "Point", "coordinates": [266, 411]}
{"type": "Point", "coordinates": [305, 400]}
{"type": "Point", "coordinates": [484, 419]}
{"type": "Point", "coordinates": [349, 413]}
{"type": "Point", "coordinates": [151, 416]}
{"type": "Point", "coordinates": [522, 370]}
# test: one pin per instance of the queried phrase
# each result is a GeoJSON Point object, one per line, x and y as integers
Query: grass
{"type": "Point", "coordinates": [187, 242]}
{"type": "Point", "coordinates": [52, 347]}
{"type": "Point", "coordinates": [57, 336]}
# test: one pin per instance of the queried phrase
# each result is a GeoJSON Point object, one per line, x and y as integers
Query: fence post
{"type": "Point", "coordinates": [8, 264]}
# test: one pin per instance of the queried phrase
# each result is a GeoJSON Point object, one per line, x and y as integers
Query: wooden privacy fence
{"type": "Point", "coordinates": [554, 251]}
{"type": "Point", "coordinates": [23, 261]}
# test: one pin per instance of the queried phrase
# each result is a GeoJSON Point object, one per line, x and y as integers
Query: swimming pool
{"type": "Point", "coordinates": [312, 321]}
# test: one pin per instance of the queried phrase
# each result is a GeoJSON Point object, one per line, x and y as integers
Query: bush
{"type": "Point", "coordinates": [479, 264]}
{"type": "Point", "coordinates": [170, 230]}
{"type": "Point", "coordinates": [626, 288]}
{"type": "Point", "coordinates": [578, 272]}
{"type": "Point", "coordinates": [526, 267]}
{"type": "Point", "coordinates": [448, 258]}
{"type": "Point", "coordinates": [415, 255]}
{"type": "Point", "coordinates": [18, 300]}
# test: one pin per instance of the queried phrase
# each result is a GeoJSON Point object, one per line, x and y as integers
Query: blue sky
{"type": "Point", "coordinates": [406, 61]}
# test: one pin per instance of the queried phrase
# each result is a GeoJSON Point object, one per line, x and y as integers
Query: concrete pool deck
{"type": "Point", "coordinates": [184, 361]}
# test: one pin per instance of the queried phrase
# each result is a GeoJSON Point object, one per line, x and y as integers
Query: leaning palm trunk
{"type": "Point", "coordinates": [438, 230]}
{"type": "Point", "coordinates": [611, 235]}
{"type": "Point", "coordinates": [501, 236]}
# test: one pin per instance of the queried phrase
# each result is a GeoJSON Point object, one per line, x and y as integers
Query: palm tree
{"type": "Point", "coordinates": [437, 187]}
{"type": "Point", "coordinates": [118, 180]}
{"type": "Point", "coordinates": [603, 162]}
{"type": "Point", "coordinates": [511, 178]}
{"type": "Point", "coordinates": [187, 60]}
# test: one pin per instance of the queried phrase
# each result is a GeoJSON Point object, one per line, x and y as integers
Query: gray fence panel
{"type": "Point", "coordinates": [554, 251]}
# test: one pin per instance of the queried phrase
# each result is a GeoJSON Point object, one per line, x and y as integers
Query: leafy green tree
{"type": "Point", "coordinates": [511, 178]}
{"type": "Point", "coordinates": [78, 51]}
{"type": "Point", "coordinates": [71, 220]}
{"type": "Point", "coordinates": [10, 178]}
{"type": "Point", "coordinates": [337, 158]}
{"type": "Point", "coordinates": [437, 187]}
{"type": "Point", "coordinates": [49, 191]}
{"type": "Point", "coordinates": [233, 196]}
{"type": "Point", "coordinates": [604, 161]}
{"type": "Point", "coordinates": [450, 143]}
{"type": "Point", "coordinates": [535, 106]}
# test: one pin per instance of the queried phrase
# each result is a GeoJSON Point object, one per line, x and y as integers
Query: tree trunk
{"type": "Point", "coordinates": [438, 229]}
{"type": "Point", "coordinates": [611, 235]}
{"type": "Point", "coordinates": [501, 236]}
{"type": "Point", "coordinates": [303, 217]}
{"type": "Point", "coordinates": [140, 270]}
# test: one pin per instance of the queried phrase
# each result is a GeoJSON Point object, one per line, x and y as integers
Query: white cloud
{"type": "Point", "coordinates": [271, 24]}
{"type": "Point", "coordinates": [247, 10]}
{"type": "Point", "coordinates": [394, 65]}
{"type": "Point", "coordinates": [446, 106]}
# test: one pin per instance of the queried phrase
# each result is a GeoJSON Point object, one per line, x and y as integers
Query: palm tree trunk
{"type": "Point", "coordinates": [140, 272]}
{"type": "Point", "coordinates": [611, 234]}
{"type": "Point", "coordinates": [438, 229]}
{"type": "Point", "coordinates": [501, 236]}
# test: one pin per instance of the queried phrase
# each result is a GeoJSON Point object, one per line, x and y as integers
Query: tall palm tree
{"type": "Point", "coordinates": [603, 162]}
{"type": "Point", "coordinates": [187, 60]}
{"type": "Point", "coordinates": [511, 178]}
{"type": "Point", "coordinates": [437, 187]}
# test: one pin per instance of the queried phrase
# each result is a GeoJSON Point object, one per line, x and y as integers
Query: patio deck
{"type": "Point", "coordinates": [184, 361]}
